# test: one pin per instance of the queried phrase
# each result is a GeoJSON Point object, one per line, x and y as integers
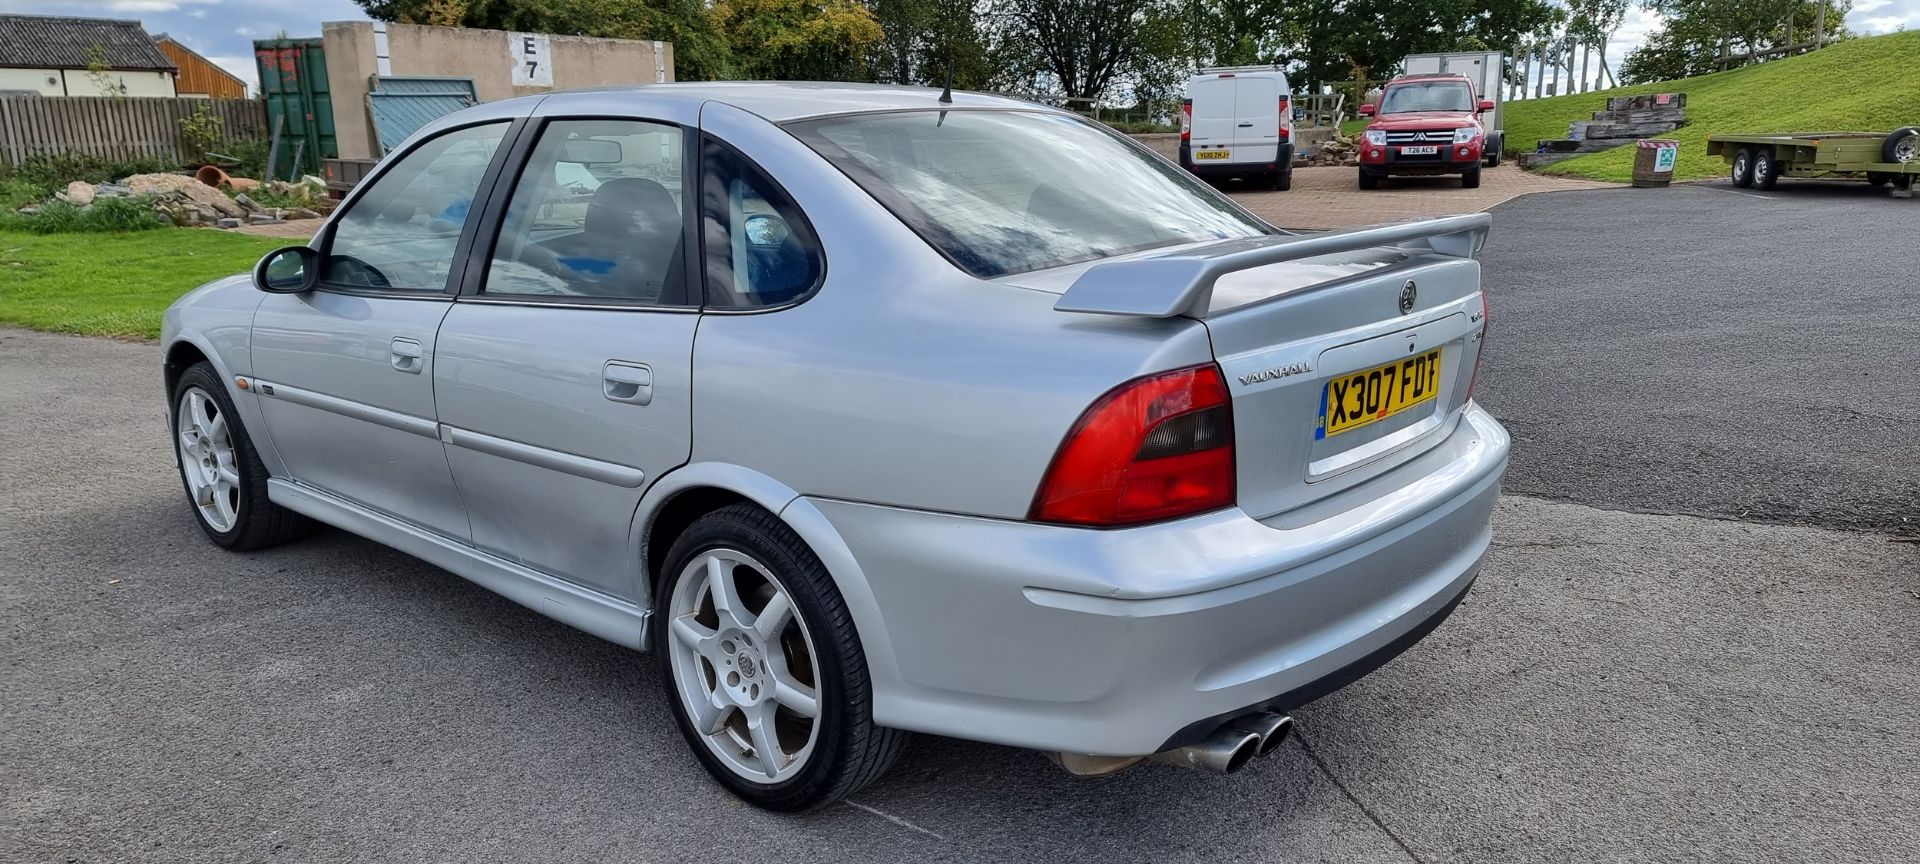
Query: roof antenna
{"type": "Point", "coordinates": [946, 95]}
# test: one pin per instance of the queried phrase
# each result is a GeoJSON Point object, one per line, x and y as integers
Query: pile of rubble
{"type": "Point", "coordinates": [1335, 151]}
{"type": "Point", "coordinates": [184, 200]}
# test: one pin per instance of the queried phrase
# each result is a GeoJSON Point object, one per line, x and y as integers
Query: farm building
{"type": "Point", "coordinates": [48, 55]}
{"type": "Point", "coordinates": [199, 76]}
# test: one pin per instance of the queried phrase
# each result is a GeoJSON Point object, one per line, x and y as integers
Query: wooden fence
{"type": "Point", "coordinates": [116, 128]}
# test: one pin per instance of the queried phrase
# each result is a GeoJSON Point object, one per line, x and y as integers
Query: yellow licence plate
{"type": "Point", "coordinates": [1367, 396]}
{"type": "Point", "coordinates": [1211, 154]}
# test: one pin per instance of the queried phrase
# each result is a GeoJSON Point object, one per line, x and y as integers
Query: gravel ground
{"type": "Point", "coordinates": [1706, 350]}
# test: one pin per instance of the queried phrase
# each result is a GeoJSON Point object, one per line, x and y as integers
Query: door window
{"type": "Point", "coordinates": [761, 251]}
{"type": "Point", "coordinates": [597, 213]}
{"type": "Point", "coordinates": [400, 234]}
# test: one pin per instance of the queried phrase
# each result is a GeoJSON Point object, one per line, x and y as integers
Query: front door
{"type": "Point", "coordinates": [564, 371]}
{"type": "Point", "coordinates": [345, 372]}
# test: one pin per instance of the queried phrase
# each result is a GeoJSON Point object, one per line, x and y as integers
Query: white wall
{"type": "Point", "coordinates": [45, 82]}
{"type": "Point", "coordinates": [49, 82]}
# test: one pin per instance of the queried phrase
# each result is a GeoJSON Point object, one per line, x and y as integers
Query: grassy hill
{"type": "Point", "coordinates": [1869, 84]}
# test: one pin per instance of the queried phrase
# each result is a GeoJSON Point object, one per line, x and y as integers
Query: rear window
{"type": "Point", "coordinates": [1427, 96]}
{"type": "Point", "coordinates": [1003, 192]}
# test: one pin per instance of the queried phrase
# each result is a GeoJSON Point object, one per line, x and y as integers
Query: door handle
{"type": "Point", "coordinates": [624, 381]}
{"type": "Point", "coordinates": [1246, 125]}
{"type": "Point", "coordinates": [408, 355]}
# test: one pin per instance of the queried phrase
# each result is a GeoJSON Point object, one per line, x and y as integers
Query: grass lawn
{"type": "Point", "coordinates": [114, 284]}
{"type": "Point", "coordinates": [1868, 85]}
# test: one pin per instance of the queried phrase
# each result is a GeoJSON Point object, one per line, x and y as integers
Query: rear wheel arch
{"type": "Point", "coordinates": [683, 495]}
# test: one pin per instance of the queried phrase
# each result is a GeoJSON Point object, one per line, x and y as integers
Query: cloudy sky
{"type": "Point", "coordinates": [224, 30]}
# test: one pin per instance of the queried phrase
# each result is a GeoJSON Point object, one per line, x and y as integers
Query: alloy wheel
{"type": "Point", "coordinates": [744, 666]}
{"type": "Point", "coordinates": [207, 459]}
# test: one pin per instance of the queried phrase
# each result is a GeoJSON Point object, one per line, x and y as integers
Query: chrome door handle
{"type": "Point", "coordinates": [408, 355]}
{"type": "Point", "coordinates": [623, 381]}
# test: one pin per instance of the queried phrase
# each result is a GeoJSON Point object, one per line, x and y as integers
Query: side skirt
{"type": "Point", "coordinates": [602, 615]}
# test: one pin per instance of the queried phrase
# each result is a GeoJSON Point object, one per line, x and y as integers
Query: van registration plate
{"type": "Point", "coordinates": [1357, 399]}
{"type": "Point", "coordinates": [1212, 154]}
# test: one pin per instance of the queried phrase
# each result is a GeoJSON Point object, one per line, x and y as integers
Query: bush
{"type": "Point", "coordinates": [107, 215]}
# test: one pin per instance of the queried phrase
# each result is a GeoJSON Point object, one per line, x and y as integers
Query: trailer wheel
{"type": "Point", "coordinates": [1902, 146]}
{"type": "Point", "coordinates": [1742, 170]}
{"type": "Point", "coordinates": [1877, 179]}
{"type": "Point", "coordinates": [1766, 172]}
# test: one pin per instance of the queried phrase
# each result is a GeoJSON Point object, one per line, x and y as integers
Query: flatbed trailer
{"type": "Point", "coordinates": [1878, 158]}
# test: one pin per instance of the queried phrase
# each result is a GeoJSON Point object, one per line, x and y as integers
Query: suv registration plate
{"type": "Point", "coordinates": [1355, 400]}
{"type": "Point", "coordinates": [1426, 150]}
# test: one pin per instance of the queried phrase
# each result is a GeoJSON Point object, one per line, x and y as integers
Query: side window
{"type": "Point", "coordinates": [760, 249]}
{"type": "Point", "coordinates": [401, 233]}
{"type": "Point", "coordinates": [596, 213]}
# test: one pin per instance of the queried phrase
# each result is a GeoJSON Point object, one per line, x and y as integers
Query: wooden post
{"type": "Point", "coordinates": [1541, 52]}
{"type": "Point", "coordinates": [1820, 26]}
{"type": "Point", "coordinates": [1586, 58]}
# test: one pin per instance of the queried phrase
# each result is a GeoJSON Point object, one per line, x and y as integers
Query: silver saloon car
{"type": "Point", "coordinates": [868, 411]}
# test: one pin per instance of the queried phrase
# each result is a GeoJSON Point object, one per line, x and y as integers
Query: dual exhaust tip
{"type": "Point", "coordinates": [1227, 750]}
{"type": "Point", "coordinates": [1232, 746]}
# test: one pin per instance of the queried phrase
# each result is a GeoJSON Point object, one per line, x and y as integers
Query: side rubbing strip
{"type": "Point", "coordinates": [347, 408]}
{"type": "Point", "coordinates": [565, 463]}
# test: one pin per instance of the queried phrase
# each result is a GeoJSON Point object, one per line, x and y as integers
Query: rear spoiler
{"type": "Point", "coordinates": [1182, 284]}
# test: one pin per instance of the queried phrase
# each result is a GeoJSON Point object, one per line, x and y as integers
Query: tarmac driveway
{"type": "Point", "coordinates": [1618, 686]}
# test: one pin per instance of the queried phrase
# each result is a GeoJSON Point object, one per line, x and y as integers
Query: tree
{"type": "Point", "coordinates": [1701, 36]}
{"type": "Point", "coordinates": [924, 38]}
{"type": "Point", "coordinates": [798, 40]}
{"type": "Point", "coordinates": [1081, 45]}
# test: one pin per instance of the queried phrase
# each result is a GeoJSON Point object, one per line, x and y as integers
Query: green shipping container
{"type": "Point", "coordinates": [293, 79]}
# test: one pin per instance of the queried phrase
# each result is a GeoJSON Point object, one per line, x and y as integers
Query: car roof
{"type": "Point", "coordinates": [781, 101]}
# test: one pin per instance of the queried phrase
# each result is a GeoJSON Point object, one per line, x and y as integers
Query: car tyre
{"type": "Point", "coordinates": [1740, 170]}
{"type": "Point", "coordinates": [1282, 179]}
{"type": "Point", "coordinates": [1470, 179]}
{"type": "Point", "coordinates": [1369, 180]}
{"type": "Point", "coordinates": [1901, 146]}
{"type": "Point", "coordinates": [1766, 171]}
{"type": "Point", "coordinates": [741, 685]}
{"type": "Point", "coordinates": [225, 480]}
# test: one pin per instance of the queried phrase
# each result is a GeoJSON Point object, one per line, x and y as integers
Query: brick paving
{"type": "Point", "coordinates": [1331, 197]}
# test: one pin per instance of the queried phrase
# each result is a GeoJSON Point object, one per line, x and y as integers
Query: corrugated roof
{"type": "Point", "coordinates": [51, 42]}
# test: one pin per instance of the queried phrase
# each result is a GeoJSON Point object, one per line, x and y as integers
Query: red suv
{"type": "Point", "coordinates": [1426, 124]}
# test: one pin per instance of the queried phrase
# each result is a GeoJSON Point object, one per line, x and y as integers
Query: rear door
{"type": "Point", "coordinates": [1214, 105]}
{"type": "Point", "coordinates": [1256, 115]}
{"type": "Point", "coordinates": [564, 371]}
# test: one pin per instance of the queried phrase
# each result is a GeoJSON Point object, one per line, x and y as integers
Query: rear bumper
{"type": "Point", "coordinates": [1282, 161]}
{"type": "Point", "coordinates": [1128, 642]}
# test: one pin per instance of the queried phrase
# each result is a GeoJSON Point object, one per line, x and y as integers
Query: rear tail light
{"type": "Point", "coordinates": [1157, 447]}
{"type": "Point", "coordinates": [1286, 119]}
{"type": "Point", "coordinates": [1186, 120]}
{"type": "Point", "coordinates": [1486, 324]}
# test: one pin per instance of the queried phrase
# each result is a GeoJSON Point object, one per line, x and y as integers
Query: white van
{"type": "Point", "coordinates": [1238, 122]}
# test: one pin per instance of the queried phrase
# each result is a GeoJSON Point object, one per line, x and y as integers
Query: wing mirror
{"type": "Point", "coordinates": [1486, 105]}
{"type": "Point", "coordinates": [1367, 109]}
{"type": "Point", "coordinates": [287, 270]}
{"type": "Point", "coordinates": [764, 230]}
